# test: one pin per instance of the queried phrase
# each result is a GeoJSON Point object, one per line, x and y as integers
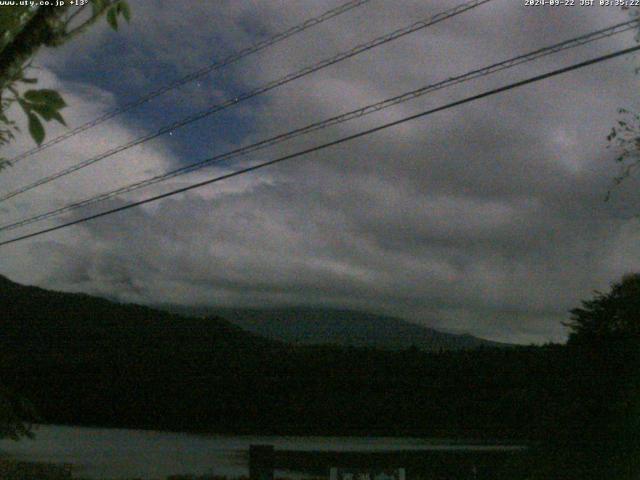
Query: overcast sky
{"type": "Point", "coordinates": [488, 218]}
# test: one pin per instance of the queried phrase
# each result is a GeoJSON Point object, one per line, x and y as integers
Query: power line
{"type": "Point", "coordinates": [358, 113]}
{"type": "Point", "coordinates": [307, 151]}
{"type": "Point", "coordinates": [255, 92]}
{"type": "Point", "coordinates": [232, 58]}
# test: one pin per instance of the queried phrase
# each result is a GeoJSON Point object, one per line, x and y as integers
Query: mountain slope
{"type": "Point", "coordinates": [88, 323]}
{"type": "Point", "coordinates": [82, 360]}
{"type": "Point", "coordinates": [309, 326]}
{"type": "Point", "coordinates": [86, 360]}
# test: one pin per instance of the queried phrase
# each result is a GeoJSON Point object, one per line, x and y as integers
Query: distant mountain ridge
{"type": "Point", "coordinates": [320, 326]}
{"type": "Point", "coordinates": [39, 315]}
{"type": "Point", "coordinates": [83, 360]}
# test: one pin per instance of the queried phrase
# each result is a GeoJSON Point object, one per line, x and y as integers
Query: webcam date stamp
{"type": "Point", "coordinates": [582, 3]}
{"type": "Point", "coordinates": [43, 3]}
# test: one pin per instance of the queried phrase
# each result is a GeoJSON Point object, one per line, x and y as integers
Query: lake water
{"type": "Point", "coordinates": [148, 454]}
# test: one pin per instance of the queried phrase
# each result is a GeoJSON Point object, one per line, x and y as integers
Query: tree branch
{"type": "Point", "coordinates": [37, 32]}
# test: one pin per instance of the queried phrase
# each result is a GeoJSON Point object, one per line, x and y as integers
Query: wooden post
{"type": "Point", "coordinates": [261, 462]}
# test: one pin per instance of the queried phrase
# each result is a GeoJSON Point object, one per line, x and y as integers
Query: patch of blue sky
{"type": "Point", "coordinates": [192, 142]}
{"type": "Point", "coordinates": [129, 69]}
{"type": "Point", "coordinates": [96, 68]}
{"type": "Point", "coordinates": [209, 137]}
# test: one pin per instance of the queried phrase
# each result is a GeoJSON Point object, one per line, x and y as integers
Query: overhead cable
{"type": "Point", "coordinates": [323, 146]}
{"type": "Point", "coordinates": [354, 114]}
{"type": "Point", "coordinates": [414, 27]}
{"type": "Point", "coordinates": [228, 60]}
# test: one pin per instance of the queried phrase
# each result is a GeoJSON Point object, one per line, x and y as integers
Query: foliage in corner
{"type": "Point", "coordinates": [625, 135]}
{"type": "Point", "coordinates": [16, 416]}
{"type": "Point", "coordinates": [23, 31]}
{"type": "Point", "coordinates": [26, 30]}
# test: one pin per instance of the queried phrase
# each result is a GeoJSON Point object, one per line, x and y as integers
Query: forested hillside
{"type": "Point", "coordinates": [84, 360]}
{"type": "Point", "coordinates": [325, 326]}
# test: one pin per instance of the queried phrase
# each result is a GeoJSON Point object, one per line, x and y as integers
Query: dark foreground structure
{"type": "Point", "coordinates": [477, 464]}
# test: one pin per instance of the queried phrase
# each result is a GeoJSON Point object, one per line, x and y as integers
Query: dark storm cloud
{"type": "Point", "coordinates": [488, 218]}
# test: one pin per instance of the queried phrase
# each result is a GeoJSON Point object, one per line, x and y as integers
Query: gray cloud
{"type": "Point", "coordinates": [488, 218]}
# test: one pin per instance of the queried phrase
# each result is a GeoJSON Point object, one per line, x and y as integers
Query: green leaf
{"type": "Point", "coordinates": [35, 128]}
{"type": "Point", "coordinates": [58, 118]}
{"type": "Point", "coordinates": [123, 8]}
{"type": "Point", "coordinates": [112, 18]}
{"type": "Point", "coordinates": [29, 80]}
{"type": "Point", "coordinates": [26, 106]}
{"type": "Point", "coordinates": [49, 113]}
{"type": "Point", "coordinates": [97, 6]}
{"type": "Point", "coordinates": [46, 97]}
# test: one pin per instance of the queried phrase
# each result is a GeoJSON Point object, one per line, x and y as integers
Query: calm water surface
{"type": "Point", "coordinates": [148, 454]}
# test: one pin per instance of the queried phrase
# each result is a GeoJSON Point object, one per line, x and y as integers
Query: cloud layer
{"type": "Point", "coordinates": [488, 218]}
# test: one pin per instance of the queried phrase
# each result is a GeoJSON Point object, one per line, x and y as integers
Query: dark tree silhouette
{"type": "Point", "coordinates": [613, 316]}
{"type": "Point", "coordinates": [598, 433]}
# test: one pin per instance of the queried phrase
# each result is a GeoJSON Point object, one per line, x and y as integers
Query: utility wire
{"type": "Point", "coordinates": [307, 151]}
{"type": "Point", "coordinates": [358, 113]}
{"type": "Point", "coordinates": [232, 58]}
{"type": "Point", "coordinates": [255, 92]}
